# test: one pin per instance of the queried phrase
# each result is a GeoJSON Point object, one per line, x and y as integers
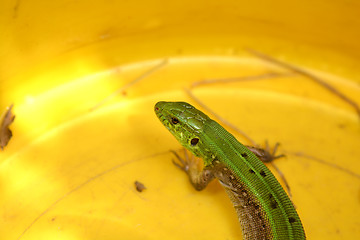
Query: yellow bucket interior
{"type": "Point", "coordinates": [84, 77]}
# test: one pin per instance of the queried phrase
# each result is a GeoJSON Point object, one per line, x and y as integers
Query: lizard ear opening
{"type": "Point", "coordinates": [194, 141]}
{"type": "Point", "coordinates": [174, 120]}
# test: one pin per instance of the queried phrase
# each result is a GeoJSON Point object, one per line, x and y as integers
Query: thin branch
{"type": "Point", "coordinates": [130, 84]}
{"type": "Point", "coordinates": [309, 75]}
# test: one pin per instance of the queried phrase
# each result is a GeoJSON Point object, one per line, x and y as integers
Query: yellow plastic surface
{"type": "Point", "coordinates": [69, 171]}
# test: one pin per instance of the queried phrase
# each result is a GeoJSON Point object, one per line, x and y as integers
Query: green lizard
{"type": "Point", "coordinates": [264, 210]}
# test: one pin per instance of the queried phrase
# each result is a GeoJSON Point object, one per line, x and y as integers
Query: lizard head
{"type": "Point", "coordinates": [185, 122]}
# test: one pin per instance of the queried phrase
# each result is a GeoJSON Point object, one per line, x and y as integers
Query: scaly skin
{"type": "Point", "coordinates": [263, 208]}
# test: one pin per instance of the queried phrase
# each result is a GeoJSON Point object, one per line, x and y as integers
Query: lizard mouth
{"type": "Point", "coordinates": [159, 113]}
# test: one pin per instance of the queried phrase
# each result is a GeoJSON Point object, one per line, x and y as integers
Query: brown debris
{"type": "Point", "coordinates": [5, 120]}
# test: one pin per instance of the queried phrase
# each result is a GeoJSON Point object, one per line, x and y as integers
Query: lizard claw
{"type": "Point", "coordinates": [265, 154]}
{"type": "Point", "coordinates": [185, 163]}
{"type": "Point", "coordinates": [181, 163]}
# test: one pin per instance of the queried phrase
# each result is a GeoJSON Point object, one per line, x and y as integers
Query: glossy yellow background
{"type": "Point", "coordinates": [69, 172]}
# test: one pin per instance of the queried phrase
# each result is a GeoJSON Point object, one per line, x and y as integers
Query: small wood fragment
{"type": "Point", "coordinates": [5, 120]}
{"type": "Point", "coordinates": [139, 186]}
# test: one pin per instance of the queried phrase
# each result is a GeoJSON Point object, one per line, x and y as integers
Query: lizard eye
{"type": "Point", "coordinates": [194, 141]}
{"type": "Point", "coordinates": [174, 120]}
